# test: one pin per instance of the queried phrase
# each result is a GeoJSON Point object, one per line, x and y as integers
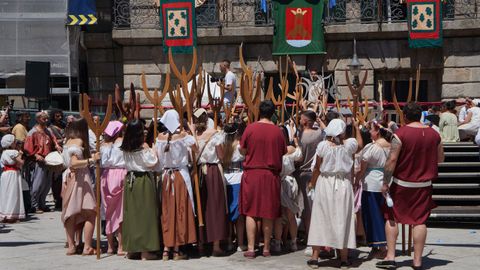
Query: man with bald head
{"type": "Point", "coordinates": [38, 144]}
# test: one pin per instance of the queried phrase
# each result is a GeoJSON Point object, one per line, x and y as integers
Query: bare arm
{"type": "Point", "coordinates": [358, 136]}
{"type": "Point", "coordinates": [316, 172]}
{"type": "Point", "coordinates": [19, 161]}
{"type": "Point", "coordinates": [361, 174]}
{"type": "Point", "coordinates": [391, 162]}
{"type": "Point", "coordinates": [440, 154]}
{"type": "Point", "coordinates": [467, 120]}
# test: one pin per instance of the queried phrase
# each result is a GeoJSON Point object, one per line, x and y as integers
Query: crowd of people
{"type": "Point", "coordinates": [329, 183]}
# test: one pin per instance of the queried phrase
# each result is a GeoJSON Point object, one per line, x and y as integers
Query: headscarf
{"type": "Point", "coordinates": [335, 128]}
{"type": "Point", "coordinates": [7, 140]}
{"type": "Point", "coordinates": [113, 128]}
{"type": "Point", "coordinates": [171, 120]}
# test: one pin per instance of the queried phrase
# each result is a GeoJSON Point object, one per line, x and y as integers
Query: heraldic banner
{"type": "Point", "coordinates": [177, 18]}
{"type": "Point", "coordinates": [425, 23]}
{"type": "Point", "coordinates": [298, 27]}
{"type": "Point", "coordinates": [82, 12]}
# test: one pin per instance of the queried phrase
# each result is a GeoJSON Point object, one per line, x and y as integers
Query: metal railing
{"type": "Point", "coordinates": [140, 14]}
{"type": "Point", "coordinates": [137, 14]}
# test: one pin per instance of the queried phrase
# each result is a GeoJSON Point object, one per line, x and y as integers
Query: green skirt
{"type": "Point", "coordinates": [140, 213]}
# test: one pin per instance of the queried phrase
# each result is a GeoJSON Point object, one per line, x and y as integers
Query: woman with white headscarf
{"type": "Point", "coordinates": [11, 196]}
{"type": "Point", "coordinates": [333, 218]}
{"type": "Point", "coordinates": [178, 220]}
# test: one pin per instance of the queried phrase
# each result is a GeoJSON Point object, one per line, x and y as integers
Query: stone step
{"type": "Point", "coordinates": [461, 154]}
{"type": "Point", "coordinates": [460, 164]}
{"type": "Point", "coordinates": [458, 174]}
{"type": "Point", "coordinates": [442, 212]}
{"type": "Point", "coordinates": [456, 197]}
{"type": "Point", "coordinates": [457, 186]}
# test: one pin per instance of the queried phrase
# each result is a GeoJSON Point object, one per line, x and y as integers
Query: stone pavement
{"type": "Point", "coordinates": [39, 244]}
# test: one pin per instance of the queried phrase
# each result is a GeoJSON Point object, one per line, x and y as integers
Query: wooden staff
{"type": "Point", "coordinates": [127, 110]}
{"type": "Point", "coordinates": [250, 88]}
{"type": "Point", "coordinates": [184, 78]}
{"type": "Point", "coordinates": [98, 129]}
{"type": "Point", "coordinates": [417, 82]}
{"type": "Point", "coordinates": [156, 100]}
{"type": "Point", "coordinates": [395, 103]}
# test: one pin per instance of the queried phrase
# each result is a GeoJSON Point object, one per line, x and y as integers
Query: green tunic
{"type": "Point", "coordinates": [140, 231]}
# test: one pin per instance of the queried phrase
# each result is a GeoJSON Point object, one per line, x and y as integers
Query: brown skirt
{"type": "Point", "coordinates": [214, 206]}
{"type": "Point", "coordinates": [178, 222]}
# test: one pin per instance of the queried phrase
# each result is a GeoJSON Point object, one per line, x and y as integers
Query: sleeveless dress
{"type": "Point", "coordinates": [178, 220]}
{"type": "Point", "coordinates": [78, 199]}
{"type": "Point", "coordinates": [112, 178]}
{"type": "Point", "coordinates": [11, 194]}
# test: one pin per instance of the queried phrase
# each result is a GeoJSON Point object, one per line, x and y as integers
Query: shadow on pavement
{"type": "Point", "coordinates": [428, 263]}
{"type": "Point", "coordinates": [20, 244]}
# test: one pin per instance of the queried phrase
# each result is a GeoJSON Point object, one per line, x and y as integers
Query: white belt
{"type": "Point", "coordinates": [412, 184]}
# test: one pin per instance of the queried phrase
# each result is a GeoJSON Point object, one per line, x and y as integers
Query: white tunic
{"type": "Point", "coordinates": [209, 151]}
{"type": "Point", "coordinates": [176, 158]}
{"type": "Point", "coordinates": [11, 195]}
{"type": "Point", "coordinates": [140, 161]}
{"type": "Point", "coordinates": [375, 156]}
{"type": "Point", "coordinates": [291, 197]}
{"type": "Point", "coordinates": [333, 218]}
{"type": "Point", "coordinates": [112, 156]}
{"type": "Point", "coordinates": [471, 127]}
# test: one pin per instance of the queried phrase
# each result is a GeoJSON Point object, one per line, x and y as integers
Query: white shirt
{"type": "Point", "coordinates": [140, 161]}
{"type": "Point", "coordinates": [178, 154]}
{"type": "Point", "coordinates": [338, 158]}
{"type": "Point", "coordinates": [209, 151]}
{"type": "Point", "coordinates": [376, 157]}
{"type": "Point", "coordinates": [112, 156]}
{"type": "Point", "coordinates": [462, 114]}
{"type": "Point", "coordinates": [230, 79]}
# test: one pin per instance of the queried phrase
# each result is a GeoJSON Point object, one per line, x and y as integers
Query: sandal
{"type": "Point", "coordinates": [90, 251]}
{"type": "Point", "coordinates": [312, 264]}
{"type": "Point", "coordinates": [71, 252]}
{"type": "Point", "coordinates": [266, 254]}
{"type": "Point", "coordinates": [249, 254]}
{"type": "Point", "coordinates": [386, 264]}
{"type": "Point", "coordinates": [178, 256]}
{"type": "Point", "coordinates": [165, 256]}
{"type": "Point", "coordinates": [345, 265]}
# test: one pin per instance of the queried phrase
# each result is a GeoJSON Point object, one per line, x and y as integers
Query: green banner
{"type": "Point", "coordinates": [298, 27]}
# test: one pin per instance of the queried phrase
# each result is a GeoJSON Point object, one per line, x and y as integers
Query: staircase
{"type": "Point", "coordinates": [457, 189]}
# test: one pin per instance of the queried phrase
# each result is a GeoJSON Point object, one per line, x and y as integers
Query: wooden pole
{"type": "Point", "coordinates": [417, 82]}
{"type": "Point", "coordinates": [98, 129]}
{"type": "Point", "coordinates": [185, 77]}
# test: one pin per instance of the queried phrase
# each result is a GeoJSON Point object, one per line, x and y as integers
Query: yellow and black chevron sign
{"type": "Point", "coordinates": [82, 19]}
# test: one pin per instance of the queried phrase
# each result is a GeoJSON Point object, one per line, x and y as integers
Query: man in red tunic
{"type": "Point", "coordinates": [263, 145]}
{"type": "Point", "coordinates": [413, 162]}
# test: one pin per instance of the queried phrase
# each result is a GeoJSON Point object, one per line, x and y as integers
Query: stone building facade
{"type": "Point", "coordinates": [128, 41]}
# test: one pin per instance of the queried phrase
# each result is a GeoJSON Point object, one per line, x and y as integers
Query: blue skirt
{"type": "Point", "coordinates": [373, 221]}
{"type": "Point", "coordinates": [233, 192]}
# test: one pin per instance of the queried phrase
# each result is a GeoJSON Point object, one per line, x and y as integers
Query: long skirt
{"type": "Point", "coordinates": [410, 205]}
{"type": "Point", "coordinates": [11, 196]}
{"type": "Point", "coordinates": [78, 199]}
{"type": "Point", "coordinates": [260, 194]}
{"type": "Point", "coordinates": [178, 221]}
{"type": "Point", "coordinates": [214, 204]}
{"type": "Point", "coordinates": [112, 197]}
{"type": "Point", "coordinates": [140, 231]}
{"type": "Point", "coordinates": [373, 221]}
{"type": "Point", "coordinates": [333, 217]}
